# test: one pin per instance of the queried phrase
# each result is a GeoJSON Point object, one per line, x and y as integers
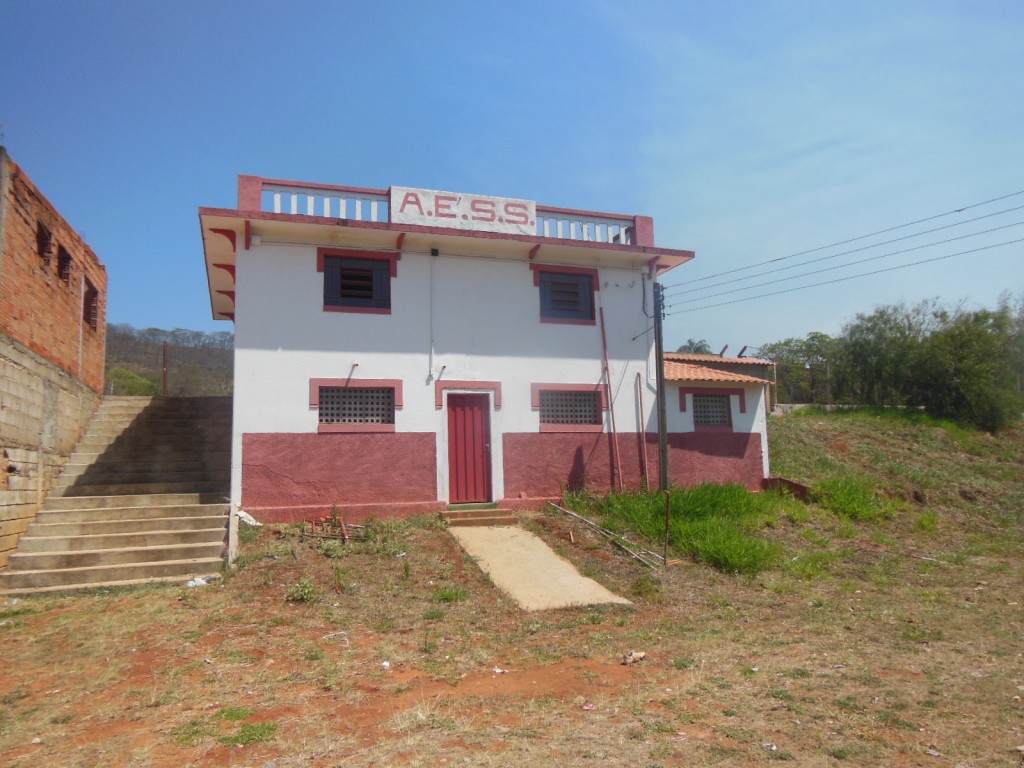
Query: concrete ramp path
{"type": "Point", "coordinates": [528, 570]}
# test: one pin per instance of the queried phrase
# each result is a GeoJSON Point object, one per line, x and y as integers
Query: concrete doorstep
{"type": "Point", "coordinates": [526, 569]}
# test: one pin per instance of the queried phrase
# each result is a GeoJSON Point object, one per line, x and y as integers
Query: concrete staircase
{"type": "Point", "coordinates": [142, 499]}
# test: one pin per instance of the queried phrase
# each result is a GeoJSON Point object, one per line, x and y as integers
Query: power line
{"type": "Point", "coordinates": [844, 266]}
{"type": "Point", "coordinates": [848, 277]}
{"type": "Point", "coordinates": [842, 253]}
{"type": "Point", "coordinates": [860, 237]}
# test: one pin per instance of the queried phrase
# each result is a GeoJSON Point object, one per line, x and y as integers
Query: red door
{"type": "Point", "coordinates": [469, 448]}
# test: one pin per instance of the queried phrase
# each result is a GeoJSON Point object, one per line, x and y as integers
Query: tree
{"type": "Point", "coordinates": [877, 350]}
{"type": "Point", "coordinates": [803, 367]}
{"type": "Point", "coordinates": [967, 371]}
{"type": "Point", "coordinates": [695, 347]}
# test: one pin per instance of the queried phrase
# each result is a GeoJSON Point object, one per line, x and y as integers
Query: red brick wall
{"type": "Point", "coordinates": [38, 307]}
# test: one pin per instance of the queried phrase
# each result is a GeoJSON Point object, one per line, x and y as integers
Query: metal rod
{"type": "Point", "coordinates": [659, 355]}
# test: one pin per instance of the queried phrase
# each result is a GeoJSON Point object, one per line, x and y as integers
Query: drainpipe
{"type": "Point", "coordinates": [659, 355]}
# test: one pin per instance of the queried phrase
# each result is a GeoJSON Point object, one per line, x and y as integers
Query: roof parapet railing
{"type": "Point", "coordinates": [362, 204]}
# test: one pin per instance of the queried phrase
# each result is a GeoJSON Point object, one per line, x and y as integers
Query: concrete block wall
{"type": "Point", "coordinates": [52, 347]}
{"type": "Point", "coordinates": [43, 412]}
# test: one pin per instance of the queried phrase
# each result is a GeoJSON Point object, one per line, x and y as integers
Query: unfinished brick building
{"type": "Point", "coordinates": [52, 346]}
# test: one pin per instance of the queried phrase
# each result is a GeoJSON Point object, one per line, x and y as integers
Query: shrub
{"type": "Point", "coordinates": [304, 592]}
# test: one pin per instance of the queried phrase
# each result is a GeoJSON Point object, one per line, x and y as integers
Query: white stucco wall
{"type": "Point", "coordinates": [453, 318]}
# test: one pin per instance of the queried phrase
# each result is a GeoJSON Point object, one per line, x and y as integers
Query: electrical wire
{"type": "Point", "coordinates": [843, 279]}
{"type": "Point", "coordinates": [837, 255]}
{"type": "Point", "coordinates": [842, 266]}
{"type": "Point", "coordinates": [859, 237]}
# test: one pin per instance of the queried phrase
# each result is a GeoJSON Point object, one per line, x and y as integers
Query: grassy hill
{"type": "Point", "coordinates": [927, 467]}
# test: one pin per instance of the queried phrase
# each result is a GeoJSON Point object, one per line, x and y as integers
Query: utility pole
{"type": "Point", "coordinates": [659, 354]}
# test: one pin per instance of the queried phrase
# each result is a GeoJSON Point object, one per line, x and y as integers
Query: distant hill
{"type": "Point", "coordinates": [198, 363]}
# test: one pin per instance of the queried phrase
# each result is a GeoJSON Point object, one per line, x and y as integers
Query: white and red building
{"type": "Point", "coordinates": [398, 351]}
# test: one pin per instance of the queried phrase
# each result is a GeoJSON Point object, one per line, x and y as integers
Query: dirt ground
{"type": "Point", "coordinates": [408, 656]}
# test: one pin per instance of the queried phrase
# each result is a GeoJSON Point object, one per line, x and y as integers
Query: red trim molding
{"type": "Point", "coordinates": [392, 256]}
{"type": "Point", "coordinates": [472, 386]}
{"type": "Point", "coordinates": [601, 389]}
{"type": "Point", "coordinates": [684, 391]}
{"type": "Point", "coordinates": [315, 384]}
{"type": "Point", "coordinates": [536, 388]}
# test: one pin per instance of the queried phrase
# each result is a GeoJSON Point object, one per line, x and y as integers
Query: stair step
{"type": "Point", "coordinates": [465, 518]}
{"type": "Point", "coordinates": [211, 457]}
{"type": "Point", "coordinates": [76, 470]}
{"type": "Point", "coordinates": [95, 558]}
{"type": "Point", "coordinates": [459, 514]}
{"type": "Point", "coordinates": [137, 524]}
{"type": "Point", "coordinates": [138, 489]}
{"type": "Point", "coordinates": [50, 541]}
{"type": "Point", "coordinates": [96, 514]}
{"type": "Point", "coordinates": [23, 582]}
{"type": "Point", "coordinates": [56, 503]}
{"type": "Point", "coordinates": [148, 476]}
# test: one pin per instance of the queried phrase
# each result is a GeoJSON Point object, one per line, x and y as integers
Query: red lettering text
{"type": "Point", "coordinates": [411, 198]}
{"type": "Point", "coordinates": [485, 209]}
{"type": "Point", "coordinates": [517, 213]}
{"type": "Point", "coordinates": [442, 206]}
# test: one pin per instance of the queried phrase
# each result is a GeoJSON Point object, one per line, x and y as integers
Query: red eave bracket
{"type": "Point", "coordinates": [228, 233]}
{"type": "Point", "coordinates": [534, 251]}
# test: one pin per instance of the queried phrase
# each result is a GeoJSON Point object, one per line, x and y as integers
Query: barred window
{"type": "Point", "coordinates": [44, 242]}
{"type": "Point", "coordinates": [357, 405]}
{"type": "Point", "coordinates": [357, 282]}
{"type": "Point", "coordinates": [91, 306]}
{"type": "Point", "coordinates": [566, 296]}
{"type": "Point", "coordinates": [64, 264]}
{"type": "Point", "coordinates": [711, 410]}
{"type": "Point", "coordinates": [562, 407]}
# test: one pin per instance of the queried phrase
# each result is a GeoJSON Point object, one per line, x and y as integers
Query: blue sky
{"type": "Point", "coordinates": [750, 131]}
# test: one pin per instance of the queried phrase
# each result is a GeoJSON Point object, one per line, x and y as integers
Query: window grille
{"type": "Point", "coordinates": [566, 296]}
{"type": "Point", "coordinates": [91, 306]}
{"type": "Point", "coordinates": [64, 265]}
{"type": "Point", "coordinates": [44, 242]}
{"type": "Point", "coordinates": [711, 410]}
{"type": "Point", "coordinates": [357, 282]}
{"type": "Point", "coordinates": [558, 407]}
{"type": "Point", "coordinates": [357, 405]}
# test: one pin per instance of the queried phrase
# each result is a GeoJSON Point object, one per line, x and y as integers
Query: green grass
{"type": "Point", "coordinates": [447, 594]}
{"type": "Point", "coordinates": [248, 534]}
{"type": "Point", "coordinates": [251, 733]}
{"type": "Point", "coordinates": [235, 713]}
{"type": "Point", "coordinates": [713, 524]}
{"type": "Point", "coordinates": [851, 497]}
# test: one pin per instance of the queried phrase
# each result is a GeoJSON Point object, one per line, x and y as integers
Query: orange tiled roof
{"type": "Point", "coordinates": [675, 371]}
{"type": "Point", "coordinates": [688, 357]}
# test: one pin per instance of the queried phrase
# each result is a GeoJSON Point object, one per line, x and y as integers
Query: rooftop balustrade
{"type": "Point", "coordinates": [358, 204]}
